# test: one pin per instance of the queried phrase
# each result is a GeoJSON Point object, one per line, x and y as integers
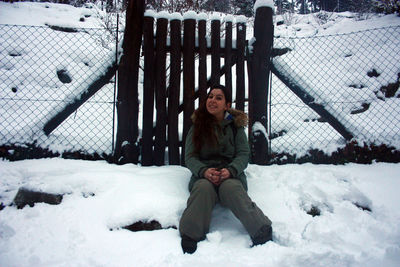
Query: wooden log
{"type": "Point", "coordinates": [71, 107]}
{"type": "Point", "coordinates": [202, 61]}
{"type": "Point", "coordinates": [161, 92]}
{"type": "Point", "coordinates": [228, 56]}
{"type": "Point", "coordinates": [188, 77]}
{"type": "Point", "coordinates": [148, 92]}
{"type": "Point", "coordinates": [240, 55]}
{"type": "Point", "coordinates": [215, 51]}
{"type": "Point", "coordinates": [260, 72]}
{"type": "Point", "coordinates": [128, 103]}
{"type": "Point", "coordinates": [173, 93]}
{"type": "Point", "coordinates": [294, 85]}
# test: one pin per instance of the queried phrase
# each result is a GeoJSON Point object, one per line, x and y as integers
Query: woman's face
{"type": "Point", "coordinates": [216, 103]}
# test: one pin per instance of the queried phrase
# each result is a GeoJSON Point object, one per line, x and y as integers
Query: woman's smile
{"type": "Point", "coordinates": [216, 103]}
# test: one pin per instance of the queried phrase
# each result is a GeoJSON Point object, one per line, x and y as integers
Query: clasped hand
{"type": "Point", "coordinates": [217, 176]}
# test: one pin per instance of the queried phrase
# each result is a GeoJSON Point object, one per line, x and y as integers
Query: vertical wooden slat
{"type": "Point", "coordinates": [161, 95]}
{"type": "Point", "coordinates": [174, 89]}
{"type": "Point", "coordinates": [215, 51]}
{"type": "Point", "coordinates": [202, 60]}
{"type": "Point", "coordinates": [240, 79]}
{"type": "Point", "coordinates": [148, 92]}
{"type": "Point", "coordinates": [188, 77]}
{"type": "Point", "coordinates": [228, 56]}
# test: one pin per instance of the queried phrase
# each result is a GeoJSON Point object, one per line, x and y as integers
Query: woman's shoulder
{"type": "Point", "coordinates": [238, 117]}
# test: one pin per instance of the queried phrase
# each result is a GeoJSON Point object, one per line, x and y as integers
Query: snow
{"type": "Point", "coordinates": [150, 13]}
{"type": "Point", "coordinates": [190, 15]}
{"type": "Point", "coordinates": [101, 198]}
{"type": "Point", "coordinates": [176, 16]}
{"type": "Point", "coordinates": [241, 19]}
{"type": "Point", "coordinates": [263, 3]}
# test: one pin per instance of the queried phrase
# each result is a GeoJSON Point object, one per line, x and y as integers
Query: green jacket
{"type": "Point", "coordinates": [232, 151]}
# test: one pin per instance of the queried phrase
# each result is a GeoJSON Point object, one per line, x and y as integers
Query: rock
{"type": "Point", "coordinates": [27, 197]}
{"type": "Point", "coordinates": [64, 76]}
{"type": "Point", "coordinates": [146, 226]}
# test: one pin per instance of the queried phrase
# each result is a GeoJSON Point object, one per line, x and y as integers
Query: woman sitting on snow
{"type": "Point", "coordinates": [217, 153]}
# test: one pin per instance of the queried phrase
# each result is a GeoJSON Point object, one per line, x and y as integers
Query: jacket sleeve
{"type": "Point", "coordinates": [241, 160]}
{"type": "Point", "coordinates": [192, 161]}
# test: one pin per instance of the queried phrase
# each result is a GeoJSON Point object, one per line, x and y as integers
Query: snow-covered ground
{"type": "Point", "coordinates": [100, 198]}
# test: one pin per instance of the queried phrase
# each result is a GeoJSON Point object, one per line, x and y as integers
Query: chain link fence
{"type": "Point", "coordinates": [42, 69]}
{"type": "Point", "coordinates": [355, 77]}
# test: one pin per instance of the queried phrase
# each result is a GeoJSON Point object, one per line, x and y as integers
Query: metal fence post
{"type": "Point", "coordinates": [259, 71]}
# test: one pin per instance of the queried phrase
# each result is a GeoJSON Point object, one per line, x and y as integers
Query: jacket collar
{"type": "Point", "coordinates": [239, 118]}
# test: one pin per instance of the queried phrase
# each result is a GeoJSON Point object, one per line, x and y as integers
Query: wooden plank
{"type": "Point", "coordinates": [128, 76]}
{"type": "Point", "coordinates": [240, 78]}
{"type": "Point", "coordinates": [161, 92]}
{"type": "Point", "coordinates": [91, 90]}
{"type": "Point", "coordinates": [173, 93]}
{"type": "Point", "coordinates": [215, 51]}
{"type": "Point", "coordinates": [188, 77]}
{"type": "Point", "coordinates": [148, 91]}
{"type": "Point", "coordinates": [202, 60]}
{"type": "Point", "coordinates": [228, 56]}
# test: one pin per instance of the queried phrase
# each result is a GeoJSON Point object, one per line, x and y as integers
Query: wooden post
{"type": "Point", "coordinates": [215, 51]}
{"type": "Point", "coordinates": [174, 89]}
{"type": "Point", "coordinates": [126, 147]}
{"type": "Point", "coordinates": [228, 56]}
{"type": "Point", "coordinates": [189, 27]}
{"type": "Point", "coordinates": [202, 61]}
{"type": "Point", "coordinates": [148, 92]}
{"type": "Point", "coordinates": [161, 93]}
{"type": "Point", "coordinates": [260, 60]}
{"type": "Point", "coordinates": [240, 81]}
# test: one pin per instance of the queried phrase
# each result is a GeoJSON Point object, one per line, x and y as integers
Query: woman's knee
{"type": "Point", "coordinates": [203, 186]}
{"type": "Point", "coordinates": [230, 186]}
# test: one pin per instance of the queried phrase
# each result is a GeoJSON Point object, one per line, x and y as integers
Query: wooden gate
{"type": "Point", "coordinates": [184, 43]}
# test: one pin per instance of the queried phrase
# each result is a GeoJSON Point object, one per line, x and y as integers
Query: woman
{"type": "Point", "coordinates": [217, 153]}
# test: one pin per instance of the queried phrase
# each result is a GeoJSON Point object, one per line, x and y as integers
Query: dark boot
{"type": "Point", "coordinates": [188, 245]}
{"type": "Point", "coordinates": [262, 236]}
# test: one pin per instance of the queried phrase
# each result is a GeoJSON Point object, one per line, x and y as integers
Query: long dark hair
{"type": "Point", "coordinates": [205, 123]}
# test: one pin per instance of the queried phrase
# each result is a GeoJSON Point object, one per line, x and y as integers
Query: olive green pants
{"type": "Point", "coordinates": [196, 218]}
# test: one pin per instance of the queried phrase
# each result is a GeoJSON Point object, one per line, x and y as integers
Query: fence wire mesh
{"type": "Point", "coordinates": [355, 77]}
{"type": "Point", "coordinates": [42, 69]}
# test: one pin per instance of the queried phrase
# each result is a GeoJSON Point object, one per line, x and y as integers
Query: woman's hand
{"type": "Point", "coordinates": [217, 176]}
{"type": "Point", "coordinates": [225, 174]}
{"type": "Point", "coordinates": [213, 175]}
